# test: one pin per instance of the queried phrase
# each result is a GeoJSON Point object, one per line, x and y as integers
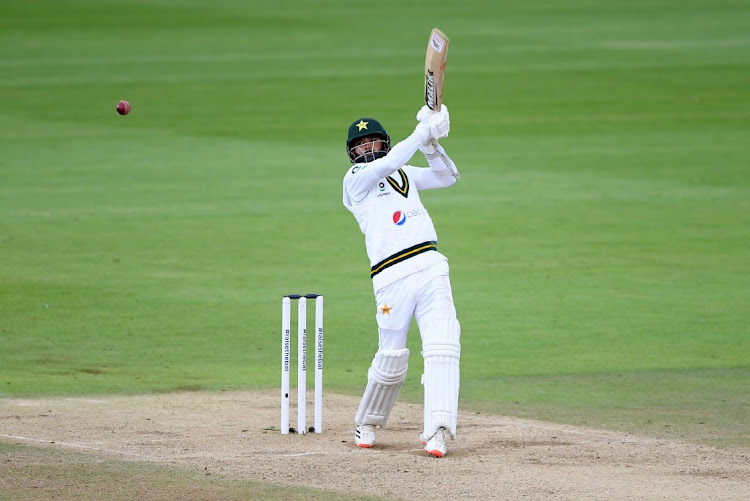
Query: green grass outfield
{"type": "Point", "coordinates": [599, 238]}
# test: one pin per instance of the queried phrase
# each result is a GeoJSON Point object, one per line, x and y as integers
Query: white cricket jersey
{"type": "Point", "coordinates": [383, 196]}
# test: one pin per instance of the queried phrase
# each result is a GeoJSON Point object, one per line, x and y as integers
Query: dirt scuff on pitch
{"type": "Point", "coordinates": [236, 434]}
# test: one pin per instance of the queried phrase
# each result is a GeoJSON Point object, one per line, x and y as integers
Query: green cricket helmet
{"type": "Point", "coordinates": [365, 127]}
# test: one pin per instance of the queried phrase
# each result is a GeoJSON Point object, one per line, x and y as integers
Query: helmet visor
{"type": "Point", "coordinates": [368, 150]}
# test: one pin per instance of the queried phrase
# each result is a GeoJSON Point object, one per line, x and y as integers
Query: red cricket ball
{"type": "Point", "coordinates": [123, 107]}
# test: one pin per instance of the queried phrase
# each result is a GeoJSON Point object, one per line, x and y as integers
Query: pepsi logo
{"type": "Point", "coordinates": [399, 218]}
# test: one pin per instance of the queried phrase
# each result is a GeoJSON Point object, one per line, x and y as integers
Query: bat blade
{"type": "Point", "coordinates": [434, 69]}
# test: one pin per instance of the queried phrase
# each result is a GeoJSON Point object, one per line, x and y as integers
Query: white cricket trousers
{"type": "Point", "coordinates": [422, 295]}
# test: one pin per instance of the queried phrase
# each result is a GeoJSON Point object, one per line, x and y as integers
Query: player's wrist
{"type": "Point", "coordinates": [430, 150]}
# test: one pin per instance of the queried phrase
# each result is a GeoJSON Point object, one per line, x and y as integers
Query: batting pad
{"type": "Point", "coordinates": [441, 349]}
{"type": "Point", "coordinates": [384, 380]}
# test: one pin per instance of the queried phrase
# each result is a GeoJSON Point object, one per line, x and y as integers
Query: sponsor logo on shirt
{"type": "Point", "coordinates": [399, 217]}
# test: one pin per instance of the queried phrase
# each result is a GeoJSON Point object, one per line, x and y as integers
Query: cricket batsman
{"type": "Point", "coordinates": [409, 275]}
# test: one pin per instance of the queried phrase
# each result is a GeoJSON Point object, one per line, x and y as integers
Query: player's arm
{"type": "Point", "coordinates": [442, 172]}
{"type": "Point", "coordinates": [363, 177]}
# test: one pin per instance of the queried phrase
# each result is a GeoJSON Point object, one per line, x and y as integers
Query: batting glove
{"type": "Point", "coordinates": [424, 113]}
{"type": "Point", "coordinates": [422, 130]}
{"type": "Point", "coordinates": [439, 123]}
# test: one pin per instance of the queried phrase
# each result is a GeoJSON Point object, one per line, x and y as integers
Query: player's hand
{"type": "Point", "coordinates": [422, 130]}
{"type": "Point", "coordinates": [424, 113]}
{"type": "Point", "coordinates": [433, 125]}
{"type": "Point", "coordinates": [428, 142]}
{"type": "Point", "coordinates": [439, 123]}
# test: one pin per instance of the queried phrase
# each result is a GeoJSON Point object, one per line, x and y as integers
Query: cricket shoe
{"type": "Point", "coordinates": [435, 446]}
{"type": "Point", "coordinates": [364, 436]}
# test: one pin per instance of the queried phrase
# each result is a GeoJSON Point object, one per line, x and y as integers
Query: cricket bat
{"type": "Point", "coordinates": [434, 73]}
{"type": "Point", "coordinates": [434, 69]}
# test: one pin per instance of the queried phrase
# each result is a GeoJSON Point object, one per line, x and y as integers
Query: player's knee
{"type": "Point", "coordinates": [389, 367]}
